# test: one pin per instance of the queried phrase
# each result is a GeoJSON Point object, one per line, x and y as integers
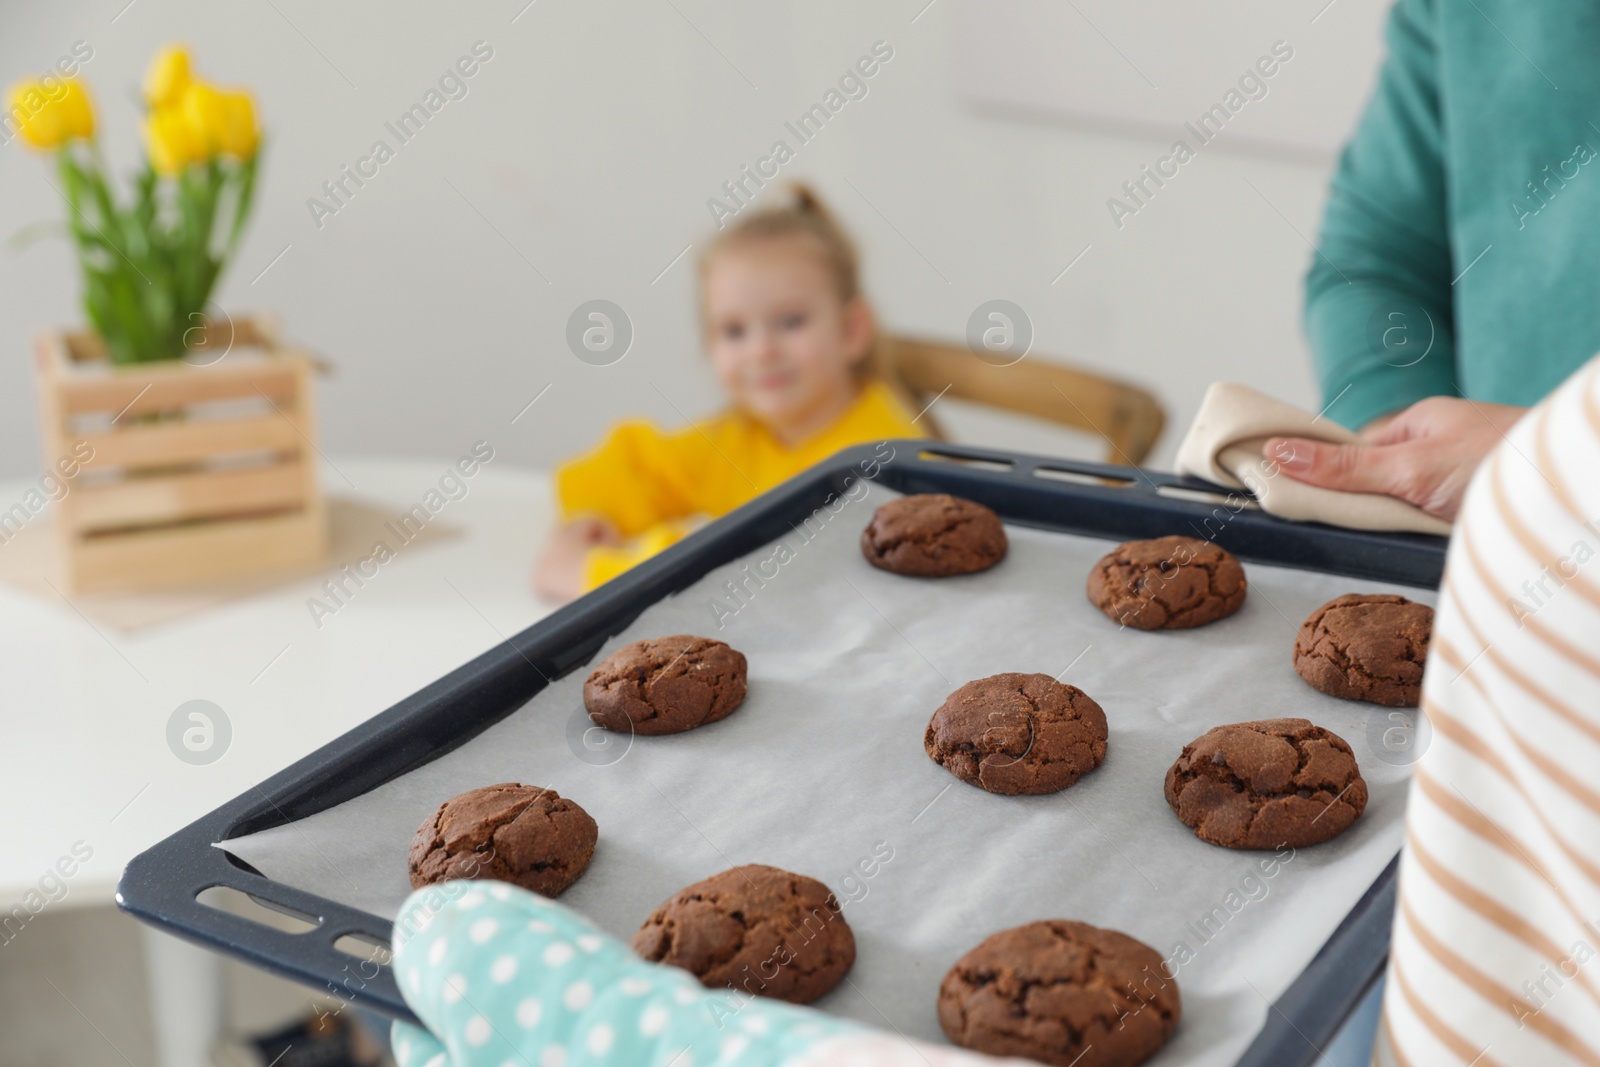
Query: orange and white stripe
{"type": "Point", "coordinates": [1496, 952]}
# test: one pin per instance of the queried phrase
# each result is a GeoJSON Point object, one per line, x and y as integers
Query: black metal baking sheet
{"type": "Point", "coordinates": [160, 885]}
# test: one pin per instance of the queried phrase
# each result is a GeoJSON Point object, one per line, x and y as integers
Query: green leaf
{"type": "Point", "coordinates": [242, 203]}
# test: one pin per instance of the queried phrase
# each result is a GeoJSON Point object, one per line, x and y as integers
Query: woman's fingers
{"type": "Point", "coordinates": [1424, 455]}
{"type": "Point", "coordinates": [1358, 468]}
{"type": "Point", "coordinates": [1428, 474]}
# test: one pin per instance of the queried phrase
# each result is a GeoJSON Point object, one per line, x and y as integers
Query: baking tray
{"type": "Point", "coordinates": [160, 885]}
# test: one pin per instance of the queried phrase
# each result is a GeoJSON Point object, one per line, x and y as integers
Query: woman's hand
{"type": "Point", "coordinates": [1424, 455]}
{"type": "Point", "coordinates": [558, 572]}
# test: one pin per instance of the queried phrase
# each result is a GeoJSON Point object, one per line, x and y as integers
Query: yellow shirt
{"type": "Point", "coordinates": [655, 486]}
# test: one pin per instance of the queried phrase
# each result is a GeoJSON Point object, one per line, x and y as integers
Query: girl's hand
{"type": "Point", "coordinates": [558, 571]}
{"type": "Point", "coordinates": [1424, 455]}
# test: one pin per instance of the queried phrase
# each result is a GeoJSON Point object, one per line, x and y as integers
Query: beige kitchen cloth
{"type": "Point", "coordinates": [1224, 444]}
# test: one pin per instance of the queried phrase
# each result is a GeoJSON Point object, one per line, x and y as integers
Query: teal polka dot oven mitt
{"type": "Point", "coordinates": [504, 978]}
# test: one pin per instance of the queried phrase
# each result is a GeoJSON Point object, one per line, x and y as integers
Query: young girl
{"type": "Point", "coordinates": [791, 340]}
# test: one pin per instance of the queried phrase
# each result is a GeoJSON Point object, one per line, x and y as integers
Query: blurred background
{"type": "Point", "coordinates": [579, 164]}
{"type": "Point", "coordinates": [981, 163]}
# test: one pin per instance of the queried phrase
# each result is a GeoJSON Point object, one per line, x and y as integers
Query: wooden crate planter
{"type": "Point", "coordinates": [195, 473]}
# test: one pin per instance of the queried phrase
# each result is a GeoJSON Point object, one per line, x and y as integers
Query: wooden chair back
{"type": "Point", "coordinates": [1127, 416]}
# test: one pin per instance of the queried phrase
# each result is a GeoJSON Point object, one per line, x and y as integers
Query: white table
{"type": "Point", "coordinates": [86, 707]}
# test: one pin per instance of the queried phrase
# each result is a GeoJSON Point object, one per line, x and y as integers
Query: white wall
{"type": "Point", "coordinates": [591, 142]}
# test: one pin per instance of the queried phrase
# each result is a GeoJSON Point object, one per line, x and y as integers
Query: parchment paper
{"type": "Point", "coordinates": [822, 771]}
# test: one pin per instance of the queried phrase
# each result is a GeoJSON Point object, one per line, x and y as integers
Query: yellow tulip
{"type": "Point", "coordinates": [167, 77]}
{"type": "Point", "coordinates": [203, 110]}
{"type": "Point", "coordinates": [224, 121]}
{"type": "Point", "coordinates": [48, 116]}
{"type": "Point", "coordinates": [239, 135]}
{"type": "Point", "coordinates": [172, 141]}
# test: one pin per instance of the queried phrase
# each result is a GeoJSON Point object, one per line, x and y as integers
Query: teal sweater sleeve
{"type": "Point", "coordinates": [1378, 294]}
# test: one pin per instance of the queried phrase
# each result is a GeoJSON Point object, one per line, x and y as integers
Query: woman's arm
{"type": "Point", "coordinates": [1378, 294]}
{"type": "Point", "coordinates": [1501, 865]}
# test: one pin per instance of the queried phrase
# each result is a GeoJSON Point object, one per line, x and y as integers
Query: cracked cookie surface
{"type": "Point", "coordinates": [759, 929]}
{"type": "Point", "coordinates": [1167, 583]}
{"type": "Point", "coordinates": [1366, 646]}
{"type": "Point", "coordinates": [520, 834]}
{"type": "Point", "coordinates": [933, 535]}
{"type": "Point", "coordinates": [1266, 784]}
{"type": "Point", "coordinates": [666, 685]}
{"type": "Point", "coordinates": [1017, 734]}
{"type": "Point", "coordinates": [1063, 993]}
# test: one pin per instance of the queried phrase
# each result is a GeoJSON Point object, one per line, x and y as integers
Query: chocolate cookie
{"type": "Point", "coordinates": [1167, 583]}
{"type": "Point", "coordinates": [933, 536]}
{"type": "Point", "coordinates": [1266, 784]}
{"type": "Point", "coordinates": [759, 929]}
{"type": "Point", "coordinates": [514, 833]}
{"type": "Point", "coordinates": [1063, 993]}
{"type": "Point", "coordinates": [1366, 646]}
{"type": "Point", "coordinates": [665, 685]}
{"type": "Point", "coordinates": [1017, 733]}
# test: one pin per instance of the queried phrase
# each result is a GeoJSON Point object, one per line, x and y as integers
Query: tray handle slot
{"type": "Point", "coordinates": [365, 946]}
{"type": "Point", "coordinates": [986, 463]}
{"type": "Point", "coordinates": [1228, 498]}
{"type": "Point", "coordinates": [257, 909]}
{"type": "Point", "coordinates": [1066, 474]}
{"type": "Point", "coordinates": [336, 949]}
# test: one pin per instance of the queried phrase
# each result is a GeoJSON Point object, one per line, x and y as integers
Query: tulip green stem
{"type": "Point", "coordinates": [149, 267]}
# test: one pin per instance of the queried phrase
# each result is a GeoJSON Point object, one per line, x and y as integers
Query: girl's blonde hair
{"type": "Point", "coordinates": [805, 216]}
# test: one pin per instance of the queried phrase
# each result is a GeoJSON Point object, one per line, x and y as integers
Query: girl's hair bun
{"type": "Point", "coordinates": [803, 215]}
{"type": "Point", "coordinates": [806, 199]}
